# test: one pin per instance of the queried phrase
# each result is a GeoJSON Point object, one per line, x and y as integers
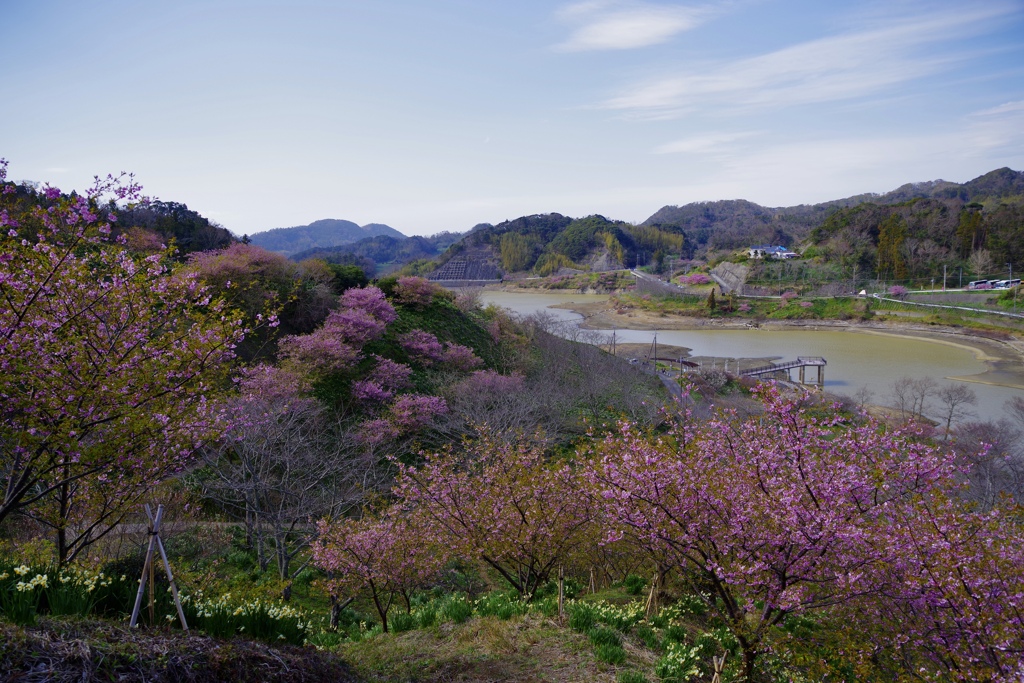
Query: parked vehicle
{"type": "Point", "coordinates": [980, 284]}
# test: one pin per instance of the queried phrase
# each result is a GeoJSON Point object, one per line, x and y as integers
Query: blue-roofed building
{"type": "Point", "coordinates": [770, 251]}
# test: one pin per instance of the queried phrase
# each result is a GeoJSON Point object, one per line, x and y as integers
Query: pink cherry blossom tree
{"type": "Point", "coordinates": [108, 364]}
{"type": "Point", "coordinates": [504, 503]}
{"type": "Point", "coordinates": [781, 514]}
{"type": "Point", "coordinates": [387, 556]}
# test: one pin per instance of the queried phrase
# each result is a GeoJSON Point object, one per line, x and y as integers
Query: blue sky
{"type": "Point", "coordinates": [439, 115]}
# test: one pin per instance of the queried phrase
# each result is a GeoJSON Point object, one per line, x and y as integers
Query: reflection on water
{"type": "Point", "coordinates": [855, 360]}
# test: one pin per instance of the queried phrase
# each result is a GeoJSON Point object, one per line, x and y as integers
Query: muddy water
{"type": "Point", "coordinates": [856, 360]}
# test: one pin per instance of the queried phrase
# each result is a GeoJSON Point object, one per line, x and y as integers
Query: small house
{"type": "Point", "coordinates": [769, 251]}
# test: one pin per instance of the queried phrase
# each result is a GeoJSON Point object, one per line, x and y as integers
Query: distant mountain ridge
{"type": "Point", "coordinates": [551, 243]}
{"type": "Point", "coordinates": [732, 224]}
{"type": "Point", "coordinates": [382, 253]}
{"type": "Point", "coordinates": [324, 233]}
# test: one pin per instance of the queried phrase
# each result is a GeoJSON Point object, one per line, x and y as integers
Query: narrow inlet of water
{"type": "Point", "coordinates": [855, 360]}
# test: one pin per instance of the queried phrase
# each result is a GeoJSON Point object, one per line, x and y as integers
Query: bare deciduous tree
{"type": "Point", "coordinates": [287, 463]}
{"type": "Point", "coordinates": [912, 397]}
{"type": "Point", "coordinates": [995, 459]}
{"type": "Point", "coordinates": [955, 400]}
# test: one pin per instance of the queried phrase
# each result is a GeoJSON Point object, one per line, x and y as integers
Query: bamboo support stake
{"type": "Point", "coordinates": [152, 577]}
{"type": "Point", "coordinates": [561, 593]}
{"type": "Point", "coordinates": [652, 600]}
{"type": "Point", "coordinates": [719, 663]}
{"type": "Point", "coordinates": [155, 543]}
{"type": "Point", "coordinates": [145, 567]}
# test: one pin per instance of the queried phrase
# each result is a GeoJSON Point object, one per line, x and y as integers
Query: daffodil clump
{"type": "Point", "coordinates": [20, 594]}
{"type": "Point", "coordinates": [30, 589]}
{"type": "Point", "coordinates": [265, 620]}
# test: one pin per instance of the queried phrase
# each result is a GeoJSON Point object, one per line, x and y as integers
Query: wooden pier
{"type": "Point", "coordinates": [801, 362]}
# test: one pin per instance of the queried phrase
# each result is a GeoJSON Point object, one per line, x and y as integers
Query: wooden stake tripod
{"type": "Point", "coordinates": [155, 543]}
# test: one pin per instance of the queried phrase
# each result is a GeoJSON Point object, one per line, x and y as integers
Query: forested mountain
{"type": "Point", "coordinates": [328, 232]}
{"type": "Point", "coordinates": [190, 231]}
{"type": "Point", "coordinates": [739, 223]}
{"type": "Point", "coordinates": [545, 243]}
{"type": "Point", "coordinates": [146, 226]}
{"type": "Point", "coordinates": [374, 254]}
{"type": "Point", "coordinates": [914, 239]}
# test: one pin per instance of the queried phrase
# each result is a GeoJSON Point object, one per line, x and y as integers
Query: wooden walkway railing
{"type": "Point", "coordinates": [801, 362]}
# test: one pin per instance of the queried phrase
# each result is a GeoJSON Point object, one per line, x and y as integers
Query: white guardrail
{"type": "Point", "coordinates": [959, 308]}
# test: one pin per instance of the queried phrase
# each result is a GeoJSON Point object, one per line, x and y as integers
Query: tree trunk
{"type": "Point", "coordinates": [381, 609]}
{"type": "Point", "coordinates": [63, 498]}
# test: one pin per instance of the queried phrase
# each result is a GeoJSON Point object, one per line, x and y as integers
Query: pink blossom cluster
{"type": "Point", "coordinates": [693, 279]}
{"type": "Point", "coordinates": [898, 291]}
{"type": "Point", "coordinates": [504, 504]}
{"type": "Point", "coordinates": [411, 412]}
{"type": "Point", "coordinates": [796, 510]}
{"type": "Point", "coordinates": [422, 346]}
{"type": "Point", "coordinates": [415, 291]}
{"type": "Point", "coordinates": [371, 300]}
{"type": "Point", "coordinates": [380, 385]}
{"type": "Point", "coordinates": [363, 317]}
{"type": "Point", "coordinates": [460, 358]}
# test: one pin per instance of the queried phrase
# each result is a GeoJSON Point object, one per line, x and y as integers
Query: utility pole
{"type": "Point", "coordinates": [1010, 266]}
{"type": "Point", "coordinates": [943, 277]}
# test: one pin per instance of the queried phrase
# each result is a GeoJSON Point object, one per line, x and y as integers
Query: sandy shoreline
{"type": "Point", "coordinates": [1005, 359]}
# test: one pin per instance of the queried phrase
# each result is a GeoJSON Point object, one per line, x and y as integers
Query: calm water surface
{"type": "Point", "coordinates": [855, 360]}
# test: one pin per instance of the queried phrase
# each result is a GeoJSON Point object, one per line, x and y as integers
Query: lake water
{"type": "Point", "coordinates": [856, 360]}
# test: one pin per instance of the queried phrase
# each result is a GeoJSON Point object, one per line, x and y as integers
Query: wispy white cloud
{"type": "Point", "coordinates": [625, 26]}
{"type": "Point", "coordinates": [703, 144]}
{"type": "Point", "coordinates": [841, 67]}
{"type": "Point", "coordinates": [998, 129]}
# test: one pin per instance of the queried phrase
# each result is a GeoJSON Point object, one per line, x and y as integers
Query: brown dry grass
{"type": "Point", "coordinates": [65, 650]}
{"type": "Point", "coordinates": [486, 649]}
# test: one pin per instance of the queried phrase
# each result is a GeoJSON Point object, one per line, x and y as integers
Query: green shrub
{"type": "Point", "coordinates": [403, 621]}
{"type": "Point", "coordinates": [599, 635]}
{"type": "Point", "coordinates": [305, 577]}
{"type": "Point", "coordinates": [634, 584]}
{"type": "Point", "coordinates": [327, 640]}
{"type": "Point", "coordinates": [455, 609]}
{"type": "Point", "coordinates": [631, 677]}
{"type": "Point", "coordinates": [582, 617]}
{"type": "Point", "coordinates": [426, 616]}
{"type": "Point", "coordinates": [675, 633]}
{"type": "Point", "coordinates": [611, 654]}
{"type": "Point", "coordinates": [649, 637]}
{"type": "Point", "coordinates": [241, 559]}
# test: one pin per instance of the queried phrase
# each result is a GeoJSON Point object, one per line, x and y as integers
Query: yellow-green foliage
{"type": "Point", "coordinates": [548, 264]}
{"type": "Point", "coordinates": [655, 239]}
{"type": "Point", "coordinates": [516, 252]}
{"type": "Point", "coordinates": [614, 247]}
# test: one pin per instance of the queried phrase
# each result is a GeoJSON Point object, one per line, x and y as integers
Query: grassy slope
{"type": "Point", "coordinates": [522, 649]}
